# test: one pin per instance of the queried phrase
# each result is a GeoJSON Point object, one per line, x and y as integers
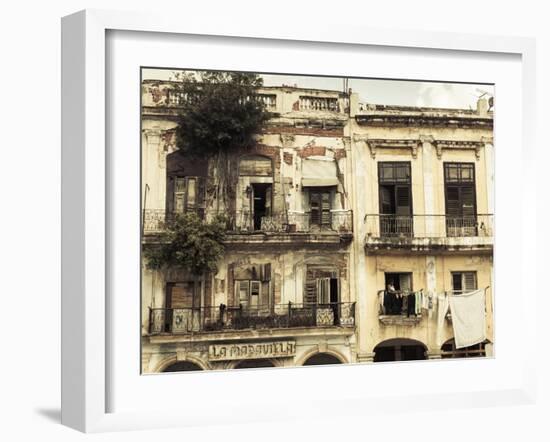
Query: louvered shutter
{"type": "Point", "coordinates": [182, 295]}
{"type": "Point", "coordinates": [403, 200]}
{"type": "Point", "coordinates": [325, 208]}
{"type": "Point", "coordinates": [179, 194]}
{"type": "Point", "coordinates": [467, 196]}
{"type": "Point", "coordinates": [470, 281]}
{"type": "Point", "coordinates": [201, 192]}
{"type": "Point", "coordinates": [323, 290]}
{"type": "Point", "coordinates": [315, 207]}
{"type": "Point", "coordinates": [453, 201]}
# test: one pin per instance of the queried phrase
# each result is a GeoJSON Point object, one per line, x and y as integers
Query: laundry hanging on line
{"type": "Point", "coordinates": [468, 316]}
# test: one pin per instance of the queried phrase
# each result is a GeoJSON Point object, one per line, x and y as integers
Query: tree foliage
{"type": "Point", "coordinates": [189, 243]}
{"type": "Point", "coordinates": [221, 112]}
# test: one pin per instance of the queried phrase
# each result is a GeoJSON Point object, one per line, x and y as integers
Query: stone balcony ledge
{"type": "Point", "coordinates": [400, 320]}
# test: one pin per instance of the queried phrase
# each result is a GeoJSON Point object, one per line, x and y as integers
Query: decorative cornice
{"type": "Point", "coordinates": [375, 144]}
{"type": "Point", "coordinates": [460, 145]}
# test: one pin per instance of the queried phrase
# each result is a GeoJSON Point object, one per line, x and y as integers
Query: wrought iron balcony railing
{"type": "Point", "coordinates": [295, 222]}
{"type": "Point", "coordinates": [428, 226]}
{"type": "Point", "coordinates": [340, 221]}
{"type": "Point", "coordinates": [223, 318]}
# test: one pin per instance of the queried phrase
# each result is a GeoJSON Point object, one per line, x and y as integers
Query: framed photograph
{"type": "Point", "coordinates": [290, 223]}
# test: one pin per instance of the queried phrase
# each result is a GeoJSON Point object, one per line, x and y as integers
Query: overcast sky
{"type": "Point", "coordinates": [393, 92]}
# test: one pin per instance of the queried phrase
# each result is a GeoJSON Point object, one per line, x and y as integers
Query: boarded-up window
{"type": "Point", "coordinates": [255, 165]}
{"type": "Point", "coordinates": [182, 295]}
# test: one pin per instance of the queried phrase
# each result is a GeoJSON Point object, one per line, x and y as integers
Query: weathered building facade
{"type": "Point", "coordinates": [335, 201]}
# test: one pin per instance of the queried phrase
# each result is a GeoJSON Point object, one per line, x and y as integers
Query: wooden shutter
{"type": "Point", "coordinates": [325, 208]}
{"type": "Point", "coordinates": [179, 194]}
{"type": "Point", "coordinates": [467, 197]}
{"type": "Point", "coordinates": [191, 200]}
{"type": "Point", "coordinates": [242, 289]}
{"type": "Point", "coordinates": [470, 281]}
{"type": "Point", "coordinates": [255, 290]}
{"type": "Point", "coordinates": [315, 207]}
{"type": "Point", "coordinates": [182, 295]}
{"type": "Point", "coordinates": [201, 192]}
{"type": "Point", "coordinates": [402, 200]}
{"type": "Point", "coordinates": [323, 290]}
{"type": "Point", "coordinates": [310, 295]}
{"type": "Point", "coordinates": [452, 204]}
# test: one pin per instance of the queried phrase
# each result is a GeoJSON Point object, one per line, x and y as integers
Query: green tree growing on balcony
{"type": "Point", "coordinates": [221, 114]}
{"type": "Point", "coordinates": [189, 243]}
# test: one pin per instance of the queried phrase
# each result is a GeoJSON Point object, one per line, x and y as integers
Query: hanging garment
{"type": "Point", "coordinates": [397, 307]}
{"type": "Point", "coordinates": [411, 304]}
{"type": "Point", "coordinates": [442, 309]}
{"type": "Point", "coordinates": [382, 302]}
{"type": "Point", "coordinates": [468, 312]}
{"type": "Point", "coordinates": [418, 303]}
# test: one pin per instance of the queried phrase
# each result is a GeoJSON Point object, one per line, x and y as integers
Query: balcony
{"type": "Point", "coordinates": [185, 321]}
{"type": "Point", "coordinates": [428, 233]}
{"type": "Point", "coordinates": [400, 308]}
{"type": "Point", "coordinates": [243, 227]}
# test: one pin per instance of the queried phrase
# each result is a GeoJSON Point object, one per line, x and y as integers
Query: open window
{"type": "Point", "coordinates": [260, 202]}
{"type": "Point", "coordinates": [252, 286]}
{"type": "Point", "coordinates": [395, 198]}
{"type": "Point", "coordinates": [398, 294]}
{"type": "Point", "coordinates": [256, 176]}
{"type": "Point", "coordinates": [464, 282]}
{"type": "Point", "coordinates": [321, 286]}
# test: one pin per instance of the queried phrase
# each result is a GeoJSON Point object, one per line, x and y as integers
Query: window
{"type": "Point", "coordinates": [319, 202]}
{"type": "Point", "coordinates": [249, 293]}
{"type": "Point", "coordinates": [396, 299]}
{"type": "Point", "coordinates": [395, 198]}
{"type": "Point", "coordinates": [460, 199]}
{"type": "Point", "coordinates": [464, 281]}
{"type": "Point", "coordinates": [188, 193]}
{"type": "Point", "coordinates": [321, 286]}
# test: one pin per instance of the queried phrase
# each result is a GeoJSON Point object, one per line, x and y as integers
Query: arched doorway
{"type": "Point", "coordinates": [449, 350]}
{"type": "Point", "coordinates": [255, 363]}
{"type": "Point", "coordinates": [322, 359]}
{"type": "Point", "coordinates": [182, 366]}
{"type": "Point", "coordinates": [399, 349]}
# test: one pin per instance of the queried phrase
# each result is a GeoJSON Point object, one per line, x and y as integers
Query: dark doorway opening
{"type": "Point", "coordinates": [261, 203]}
{"type": "Point", "coordinates": [399, 350]}
{"type": "Point", "coordinates": [322, 359]}
{"type": "Point", "coordinates": [182, 366]}
{"type": "Point", "coordinates": [255, 363]}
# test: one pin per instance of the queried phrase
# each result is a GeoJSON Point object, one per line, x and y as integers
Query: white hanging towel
{"type": "Point", "coordinates": [468, 313]}
{"type": "Point", "coordinates": [443, 308]}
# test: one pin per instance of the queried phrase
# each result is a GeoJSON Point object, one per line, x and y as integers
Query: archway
{"type": "Point", "coordinates": [449, 350]}
{"type": "Point", "coordinates": [255, 363]}
{"type": "Point", "coordinates": [322, 359]}
{"type": "Point", "coordinates": [400, 349]}
{"type": "Point", "coordinates": [182, 366]}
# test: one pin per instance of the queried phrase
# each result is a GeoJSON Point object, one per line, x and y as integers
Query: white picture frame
{"type": "Point", "coordinates": [85, 216]}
